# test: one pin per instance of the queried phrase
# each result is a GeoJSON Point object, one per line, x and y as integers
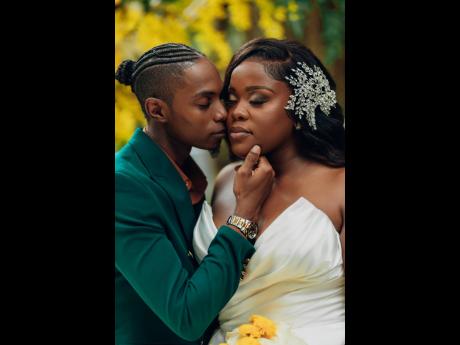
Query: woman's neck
{"type": "Point", "coordinates": [286, 161]}
{"type": "Point", "coordinates": [178, 151]}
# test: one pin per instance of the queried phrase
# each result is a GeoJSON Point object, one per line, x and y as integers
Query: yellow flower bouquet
{"type": "Point", "coordinates": [262, 331]}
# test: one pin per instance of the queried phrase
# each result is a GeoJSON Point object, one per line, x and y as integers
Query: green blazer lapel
{"type": "Point", "coordinates": [161, 169]}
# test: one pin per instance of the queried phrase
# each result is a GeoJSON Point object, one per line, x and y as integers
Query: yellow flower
{"type": "Point", "coordinates": [247, 341]}
{"type": "Point", "coordinates": [247, 330]}
{"type": "Point", "coordinates": [223, 344]}
{"type": "Point", "coordinates": [293, 10]}
{"type": "Point", "coordinates": [267, 327]}
{"type": "Point", "coordinates": [240, 14]}
{"type": "Point", "coordinates": [128, 114]}
{"type": "Point", "coordinates": [293, 7]}
{"type": "Point", "coordinates": [280, 14]}
{"type": "Point", "coordinates": [271, 19]}
{"type": "Point", "coordinates": [154, 30]}
{"type": "Point", "coordinates": [126, 20]}
{"type": "Point", "coordinates": [203, 20]}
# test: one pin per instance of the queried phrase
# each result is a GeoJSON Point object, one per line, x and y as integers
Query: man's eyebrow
{"type": "Point", "coordinates": [205, 93]}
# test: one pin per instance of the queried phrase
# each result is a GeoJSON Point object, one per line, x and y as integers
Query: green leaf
{"type": "Point", "coordinates": [279, 3]}
{"type": "Point", "coordinates": [235, 38]}
{"type": "Point", "coordinates": [297, 28]}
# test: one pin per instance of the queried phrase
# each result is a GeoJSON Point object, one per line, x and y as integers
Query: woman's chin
{"type": "Point", "coordinates": [240, 152]}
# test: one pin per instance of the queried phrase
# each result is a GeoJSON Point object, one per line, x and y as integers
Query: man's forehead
{"type": "Point", "coordinates": [203, 80]}
{"type": "Point", "coordinates": [201, 70]}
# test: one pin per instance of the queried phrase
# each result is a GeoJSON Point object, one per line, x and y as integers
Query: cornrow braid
{"type": "Point", "coordinates": [163, 54]}
{"type": "Point", "coordinates": [148, 79]}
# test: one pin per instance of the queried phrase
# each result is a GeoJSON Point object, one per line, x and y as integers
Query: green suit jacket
{"type": "Point", "coordinates": [162, 296]}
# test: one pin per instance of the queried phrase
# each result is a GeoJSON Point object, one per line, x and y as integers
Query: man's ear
{"type": "Point", "coordinates": [156, 109]}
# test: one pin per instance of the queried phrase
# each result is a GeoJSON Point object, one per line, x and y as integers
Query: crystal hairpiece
{"type": "Point", "coordinates": [311, 89]}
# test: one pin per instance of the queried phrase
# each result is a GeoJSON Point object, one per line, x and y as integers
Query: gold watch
{"type": "Point", "coordinates": [248, 228]}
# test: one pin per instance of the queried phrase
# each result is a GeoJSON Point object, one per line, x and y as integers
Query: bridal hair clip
{"type": "Point", "coordinates": [311, 89]}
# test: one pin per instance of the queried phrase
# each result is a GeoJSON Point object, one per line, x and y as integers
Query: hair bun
{"type": "Point", "coordinates": [124, 72]}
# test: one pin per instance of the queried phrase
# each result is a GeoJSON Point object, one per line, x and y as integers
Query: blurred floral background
{"type": "Point", "coordinates": [218, 28]}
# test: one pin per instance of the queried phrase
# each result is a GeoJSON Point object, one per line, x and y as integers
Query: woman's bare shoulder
{"type": "Point", "coordinates": [335, 183]}
{"type": "Point", "coordinates": [340, 182]}
{"type": "Point", "coordinates": [325, 188]}
{"type": "Point", "coordinates": [333, 177]}
{"type": "Point", "coordinates": [338, 186]}
{"type": "Point", "coordinates": [340, 178]}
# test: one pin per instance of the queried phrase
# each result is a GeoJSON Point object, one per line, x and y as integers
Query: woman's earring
{"type": "Point", "coordinates": [298, 126]}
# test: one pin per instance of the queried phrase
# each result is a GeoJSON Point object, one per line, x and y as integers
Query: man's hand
{"type": "Point", "coordinates": [253, 183]}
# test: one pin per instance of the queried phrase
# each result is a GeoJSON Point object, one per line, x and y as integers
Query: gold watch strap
{"type": "Point", "coordinates": [241, 223]}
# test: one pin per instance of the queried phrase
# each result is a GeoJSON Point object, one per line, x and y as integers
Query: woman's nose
{"type": "Point", "coordinates": [239, 112]}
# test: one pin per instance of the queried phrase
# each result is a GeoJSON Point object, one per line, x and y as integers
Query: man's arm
{"type": "Point", "coordinates": [147, 259]}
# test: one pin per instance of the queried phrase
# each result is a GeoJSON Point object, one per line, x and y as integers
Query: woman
{"type": "Point", "coordinates": [280, 96]}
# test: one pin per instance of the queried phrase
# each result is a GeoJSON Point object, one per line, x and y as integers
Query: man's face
{"type": "Point", "coordinates": [197, 115]}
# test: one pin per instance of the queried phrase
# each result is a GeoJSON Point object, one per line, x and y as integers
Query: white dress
{"type": "Point", "coordinates": [295, 276]}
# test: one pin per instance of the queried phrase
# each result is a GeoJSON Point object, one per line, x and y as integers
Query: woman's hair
{"type": "Point", "coordinates": [326, 144]}
{"type": "Point", "coordinates": [158, 71]}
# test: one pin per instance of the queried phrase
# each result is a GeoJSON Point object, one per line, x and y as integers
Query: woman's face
{"type": "Point", "coordinates": [256, 113]}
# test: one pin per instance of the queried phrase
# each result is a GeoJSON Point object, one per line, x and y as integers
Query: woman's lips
{"type": "Point", "coordinates": [237, 133]}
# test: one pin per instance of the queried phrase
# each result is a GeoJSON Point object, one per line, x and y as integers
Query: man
{"type": "Point", "coordinates": [162, 295]}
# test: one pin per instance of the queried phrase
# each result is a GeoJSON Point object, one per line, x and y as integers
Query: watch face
{"type": "Point", "coordinates": [252, 233]}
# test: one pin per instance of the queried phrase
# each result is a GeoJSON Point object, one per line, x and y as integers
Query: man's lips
{"type": "Point", "coordinates": [220, 133]}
